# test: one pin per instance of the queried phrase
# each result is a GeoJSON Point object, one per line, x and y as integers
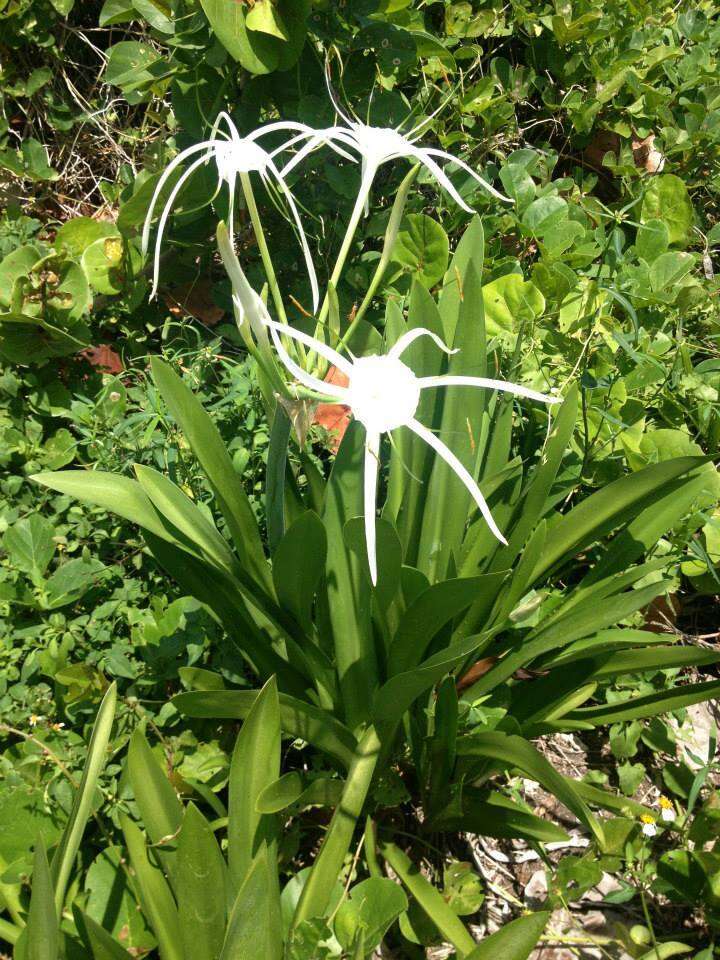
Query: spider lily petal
{"type": "Point", "coordinates": [504, 385]}
{"type": "Point", "coordinates": [432, 152]}
{"type": "Point", "coordinates": [331, 389]}
{"type": "Point", "coordinates": [371, 467]}
{"type": "Point", "coordinates": [456, 466]}
{"type": "Point", "coordinates": [406, 339]}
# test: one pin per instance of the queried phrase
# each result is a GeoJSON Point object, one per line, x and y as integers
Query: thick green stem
{"type": "Point", "coordinates": [393, 228]}
{"type": "Point", "coordinates": [263, 247]}
{"type": "Point", "coordinates": [355, 217]}
{"type": "Point", "coordinates": [317, 891]}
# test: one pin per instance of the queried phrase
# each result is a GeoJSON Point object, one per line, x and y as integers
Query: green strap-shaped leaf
{"type": "Point", "coordinates": [298, 719]}
{"type": "Point", "coordinates": [230, 608]}
{"type": "Point", "coordinates": [515, 752]}
{"type": "Point", "coordinates": [606, 641]}
{"type": "Point", "coordinates": [255, 765]}
{"type": "Point", "coordinates": [495, 815]}
{"type": "Point", "coordinates": [69, 845]}
{"type": "Point", "coordinates": [401, 690]}
{"type": "Point", "coordinates": [176, 507]}
{"type": "Point", "coordinates": [160, 809]}
{"type": "Point", "coordinates": [275, 476]}
{"type": "Point", "coordinates": [201, 879]}
{"type": "Point", "coordinates": [426, 615]}
{"type": "Point", "coordinates": [448, 501]}
{"type": "Point", "coordinates": [207, 445]}
{"type": "Point", "coordinates": [514, 941]}
{"type": "Point", "coordinates": [650, 705]}
{"type": "Point", "coordinates": [535, 500]}
{"type": "Point", "coordinates": [154, 893]}
{"type": "Point", "coordinates": [431, 900]}
{"type": "Point", "coordinates": [614, 504]}
{"type": "Point", "coordinates": [254, 929]}
{"type": "Point", "coordinates": [298, 566]}
{"type": "Point", "coordinates": [43, 930]}
{"type": "Point", "coordinates": [348, 588]}
{"type": "Point", "coordinates": [294, 790]}
{"type": "Point", "coordinates": [576, 625]}
{"type": "Point", "coordinates": [412, 459]}
{"type": "Point", "coordinates": [97, 940]}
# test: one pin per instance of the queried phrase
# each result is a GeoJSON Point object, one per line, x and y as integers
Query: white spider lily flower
{"type": "Point", "coordinates": [233, 156]}
{"type": "Point", "coordinates": [383, 393]}
{"type": "Point", "coordinates": [379, 145]}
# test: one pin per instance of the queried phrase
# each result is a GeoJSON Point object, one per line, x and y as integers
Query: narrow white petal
{"type": "Point", "coordinates": [330, 138]}
{"type": "Point", "coordinates": [166, 213]}
{"type": "Point", "coordinates": [224, 115]}
{"type": "Point", "coordinates": [372, 465]}
{"type": "Point", "coordinates": [505, 385]}
{"type": "Point", "coordinates": [442, 178]}
{"type": "Point", "coordinates": [321, 348]}
{"type": "Point", "coordinates": [468, 169]}
{"type": "Point", "coordinates": [406, 339]}
{"type": "Point", "coordinates": [167, 172]}
{"type": "Point", "coordinates": [455, 465]}
{"type": "Point", "coordinates": [331, 94]}
{"type": "Point", "coordinates": [303, 239]}
{"type": "Point", "coordinates": [276, 125]}
{"type": "Point", "coordinates": [423, 123]}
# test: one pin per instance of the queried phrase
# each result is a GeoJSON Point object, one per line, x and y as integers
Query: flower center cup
{"type": "Point", "coordinates": [234, 157]}
{"type": "Point", "coordinates": [379, 143]}
{"type": "Point", "coordinates": [383, 393]}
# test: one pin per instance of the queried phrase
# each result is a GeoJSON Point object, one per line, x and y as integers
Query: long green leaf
{"type": "Point", "coordinates": [335, 847]}
{"type": "Point", "coordinates": [427, 613]}
{"type": "Point", "coordinates": [208, 447]}
{"type": "Point", "coordinates": [154, 893]}
{"type": "Point", "coordinates": [515, 752]}
{"type": "Point", "coordinates": [99, 942]}
{"type": "Point", "coordinates": [574, 626]}
{"type": "Point", "coordinates": [298, 719]}
{"type": "Point", "coordinates": [292, 789]}
{"type": "Point", "coordinates": [348, 587]}
{"type": "Point", "coordinates": [495, 815]}
{"type": "Point", "coordinates": [429, 898]}
{"type": "Point", "coordinates": [400, 691]}
{"type": "Point", "coordinates": [298, 566]}
{"type": "Point", "coordinates": [201, 879]}
{"type": "Point", "coordinates": [179, 510]}
{"type": "Point", "coordinates": [160, 809]}
{"type": "Point", "coordinates": [412, 459]}
{"type": "Point", "coordinates": [448, 502]}
{"type": "Point", "coordinates": [535, 499]}
{"type": "Point", "coordinates": [255, 765]}
{"type": "Point", "coordinates": [650, 705]}
{"type": "Point", "coordinates": [82, 805]}
{"type": "Point", "coordinates": [514, 941]}
{"type": "Point", "coordinates": [611, 506]}
{"type": "Point", "coordinates": [275, 476]}
{"type": "Point", "coordinates": [255, 929]}
{"type": "Point", "coordinates": [43, 929]}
